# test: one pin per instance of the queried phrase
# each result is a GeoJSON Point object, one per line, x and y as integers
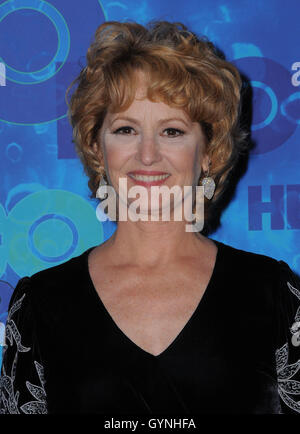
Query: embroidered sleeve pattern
{"type": "Point", "coordinates": [288, 352]}
{"type": "Point", "coordinates": [22, 382]}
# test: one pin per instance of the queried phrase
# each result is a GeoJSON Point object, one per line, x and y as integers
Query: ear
{"type": "Point", "coordinates": [205, 162]}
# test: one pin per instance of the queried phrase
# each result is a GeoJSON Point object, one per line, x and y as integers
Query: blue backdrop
{"type": "Point", "coordinates": [46, 216]}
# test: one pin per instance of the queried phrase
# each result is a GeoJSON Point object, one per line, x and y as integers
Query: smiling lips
{"type": "Point", "coordinates": [148, 178]}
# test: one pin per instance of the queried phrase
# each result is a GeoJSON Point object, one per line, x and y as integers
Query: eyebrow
{"type": "Point", "coordinates": [128, 118]}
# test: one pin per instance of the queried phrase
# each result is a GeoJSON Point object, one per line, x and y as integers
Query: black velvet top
{"type": "Point", "coordinates": [238, 353]}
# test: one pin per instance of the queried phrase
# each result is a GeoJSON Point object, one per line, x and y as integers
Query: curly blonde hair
{"type": "Point", "coordinates": [186, 72]}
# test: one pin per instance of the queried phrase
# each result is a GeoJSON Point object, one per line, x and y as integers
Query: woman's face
{"type": "Point", "coordinates": [152, 136]}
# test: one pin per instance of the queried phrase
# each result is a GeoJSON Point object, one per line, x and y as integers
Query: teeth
{"type": "Point", "coordinates": [149, 178]}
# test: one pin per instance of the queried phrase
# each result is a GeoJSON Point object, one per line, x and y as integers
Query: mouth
{"type": "Point", "coordinates": [148, 180]}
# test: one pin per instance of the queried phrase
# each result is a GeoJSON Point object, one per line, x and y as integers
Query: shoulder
{"type": "Point", "coordinates": [263, 269]}
{"type": "Point", "coordinates": [266, 275]}
{"type": "Point", "coordinates": [53, 283]}
{"type": "Point", "coordinates": [247, 263]}
{"type": "Point", "coordinates": [262, 265]}
{"type": "Point", "coordinates": [60, 272]}
{"type": "Point", "coordinates": [70, 269]}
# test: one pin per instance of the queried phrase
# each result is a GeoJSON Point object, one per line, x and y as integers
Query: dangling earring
{"type": "Point", "coordinates": [209, 186]}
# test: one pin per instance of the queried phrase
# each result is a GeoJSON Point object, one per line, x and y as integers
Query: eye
{"type": "Point", "coordinates": [123, 130]}
{"type": "Point", "coordinates": [175, 132]}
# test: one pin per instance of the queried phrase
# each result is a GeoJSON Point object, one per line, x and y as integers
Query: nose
{"type": "Point", "coordinates": [148, 151]}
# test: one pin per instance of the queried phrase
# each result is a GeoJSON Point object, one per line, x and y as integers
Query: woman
{"type": "Point", "coordinates": [156, 320]}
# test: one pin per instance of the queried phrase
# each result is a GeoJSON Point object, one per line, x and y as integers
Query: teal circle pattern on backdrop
{"type": "Point", "coordinates": [27, 254]}
{"type": "Point", "coordinates": [63, 34]}
{"type": "Point", "coordinates": [274, 104]}
{"type": "Point", "coordinates": [45, 219]}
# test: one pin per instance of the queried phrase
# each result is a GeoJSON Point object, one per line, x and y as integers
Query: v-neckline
{"type": "Point", "coordinates": [188, 323]}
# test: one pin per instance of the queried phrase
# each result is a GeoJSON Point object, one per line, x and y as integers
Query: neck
{"type": "Point", "coordinates": [153, 244]}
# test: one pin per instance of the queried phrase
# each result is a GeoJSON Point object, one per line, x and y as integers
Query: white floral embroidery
{"type": "Point", "coordinates": [9, 396]}
{"type": "Point", "coordinates": [286, 385]}
{"type": "Point", "coordinates": [296, 292]}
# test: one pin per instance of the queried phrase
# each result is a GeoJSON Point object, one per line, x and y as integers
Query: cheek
{"type": "Point", "coordinates": [116, 157]}
{"type": "Point", "coordinates": [117, 151]}
{"type": "Point", "coordinates": [184, 159]}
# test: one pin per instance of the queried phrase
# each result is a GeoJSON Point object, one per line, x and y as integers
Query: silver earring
{"type": "Point", "coordinates": [209, 186]}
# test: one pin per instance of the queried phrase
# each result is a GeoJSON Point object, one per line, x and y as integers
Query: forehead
{"type": "Point", "coordinates": [142, 107]}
